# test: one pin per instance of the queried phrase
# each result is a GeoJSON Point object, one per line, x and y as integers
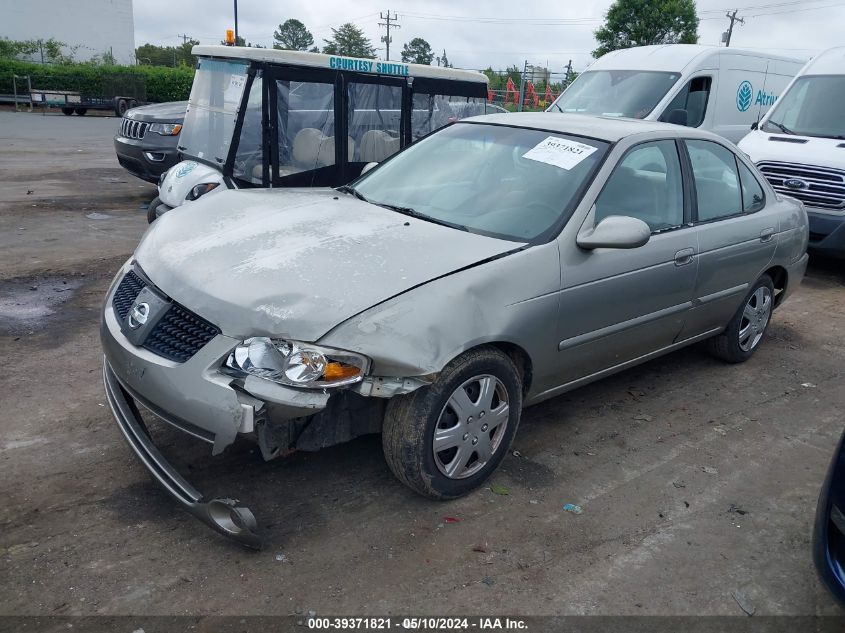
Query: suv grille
{"type": "Point", "coordinates": [825, 186]}
{"type": "Point", "coordinates": [133, 129]}
{"type": "Point", "coordinates": [178, 335]}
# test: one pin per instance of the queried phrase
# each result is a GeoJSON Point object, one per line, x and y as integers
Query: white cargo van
{"type": "Point", "coordinates": [799, 147]}
{"type": "Point", "coordinates": [723, 90]}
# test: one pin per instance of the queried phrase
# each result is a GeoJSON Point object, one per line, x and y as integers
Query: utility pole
{"type": "Point", "coordinates": [727, 34]}
{"type": "Point", "coordinates": [387, 24]}
{"type": "Point", "coordinates": [522, 86]}
{"type": "Point", "coordinates": [184, 37]}
{"type": "Point", "coordinates": [236, 22]}
{"type": "Point", "coordinates": [568, 73]}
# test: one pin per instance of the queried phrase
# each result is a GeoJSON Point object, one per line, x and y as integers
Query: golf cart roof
{"type": "Point", "coordinates": [337, 62]}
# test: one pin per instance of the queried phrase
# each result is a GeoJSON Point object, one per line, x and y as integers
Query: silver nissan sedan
{"type": "Point", "coordinates": [498, 262]}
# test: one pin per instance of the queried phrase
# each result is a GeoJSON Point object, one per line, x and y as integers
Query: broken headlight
{"type": "Point", "coordinates": [296, 364]}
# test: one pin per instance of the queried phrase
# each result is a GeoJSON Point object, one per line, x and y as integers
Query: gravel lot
{"type": "Point", "coordinates": [696, 479]}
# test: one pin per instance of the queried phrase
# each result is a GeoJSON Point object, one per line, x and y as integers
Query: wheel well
{"type": "Point", "coordinates": [521, 359]}
{"type": "Point", "coordinates": [779, 279]}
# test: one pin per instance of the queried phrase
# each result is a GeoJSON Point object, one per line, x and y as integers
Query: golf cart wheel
{"type": "Point", "coordinates": [81, 111]}
{"type": "Point", "coordinates": [445, 440]}
{"type": "Point", "coordinates": [745, 331]}
{"type": "Point", "coordinates": [67, 111]}
{"type": "Point", "coordinates": [151, 209]}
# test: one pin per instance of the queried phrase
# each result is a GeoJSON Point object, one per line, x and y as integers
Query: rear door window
{"type": "Point", "coordinates": [716, 180]}
{"type": "Point", "coordinates": [753, 198]}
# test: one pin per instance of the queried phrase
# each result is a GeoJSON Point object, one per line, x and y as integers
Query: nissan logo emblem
{"type": "Point", "coordinates": [138, 315]}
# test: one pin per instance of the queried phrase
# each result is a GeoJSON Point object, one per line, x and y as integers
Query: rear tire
{"type": "Point", "coordinates": [745, 330]}
{"type": "Point", "coordinates": [151, 209]}
{"type": "Point", "coordinates": [67, 111]}
{"type": "Point", "coordinates": [81, 111]}
{"type": "Point", "coordinates": [485, 386]}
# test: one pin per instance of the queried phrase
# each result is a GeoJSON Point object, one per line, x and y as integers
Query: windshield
{"type": "Point", "coordinates": [624, 93]}
{"type": "Point", "coordinates": [507, 182]}
{"type": "Point", "coordinates": [811, 107]}
{"type": "Point", "coordinates": [210, 119]}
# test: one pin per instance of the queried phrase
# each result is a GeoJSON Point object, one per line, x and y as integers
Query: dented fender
{"type": "Point", "coordinates": [512, 299]}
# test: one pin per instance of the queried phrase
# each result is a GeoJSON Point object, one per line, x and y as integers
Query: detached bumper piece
{"type": "Point", "coordinates": [222, 515]}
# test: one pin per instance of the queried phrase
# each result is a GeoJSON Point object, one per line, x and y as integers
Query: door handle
{"type": "Point", "coordinates": [766, 235]}
{"type": "Point", "coordinates": [684, 256]}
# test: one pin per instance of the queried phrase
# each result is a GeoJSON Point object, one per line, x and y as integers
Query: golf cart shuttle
{"type": "Point", "coordinates": [270, 118]}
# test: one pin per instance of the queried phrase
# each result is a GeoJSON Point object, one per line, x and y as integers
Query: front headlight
{"type": "Point", "coordinates": [296, 364]}
{"type": "Point", "coordinates": [201, 190]}
{"type": "Point", "coordinates": [166, 129]}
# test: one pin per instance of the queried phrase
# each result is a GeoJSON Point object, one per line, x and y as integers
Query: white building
{"type": "Point", "coordinates": [88, 27]}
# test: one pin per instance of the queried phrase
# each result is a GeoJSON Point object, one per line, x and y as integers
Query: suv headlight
{"type": "Point", "coordinates": [166, 129]}
{"type": "Point", "coordinates": [296, 364]}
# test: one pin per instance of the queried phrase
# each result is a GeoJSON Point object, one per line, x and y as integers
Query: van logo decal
{"type": "Point", "coordinates": [795, 183]}
{"type": "Point", "coordinates": [744, 96]}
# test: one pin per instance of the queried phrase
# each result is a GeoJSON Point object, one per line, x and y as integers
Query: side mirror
{"type": "Point", "coordinates": [615, 231]}
{"type": "Point", "coordinates": [755, 125]}
{"type": "Point", "coordinates": [368, 167]}
{"type": "Point", "coordinates": [678, 117]}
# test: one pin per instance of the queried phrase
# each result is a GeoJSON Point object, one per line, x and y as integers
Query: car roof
{"type": "Point", "coordinates": [319, 60]}
{"type": "Point", "coordinates": [828, 62]}
{"type": "Point", "coordinates": [670, 57]}
{"type": "Point", "coordinates": [605, 128]}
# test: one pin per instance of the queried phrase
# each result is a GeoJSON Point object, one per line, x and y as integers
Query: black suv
{"type": "Point", "coordinates": [146, 142]}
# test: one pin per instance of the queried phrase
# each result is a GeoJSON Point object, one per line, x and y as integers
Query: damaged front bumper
{"type": "Point", "coordinates": [222, 515]}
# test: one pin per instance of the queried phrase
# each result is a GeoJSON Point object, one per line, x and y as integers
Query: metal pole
{"type": "Point", "coordinates": [522, 86]}
{"type": "Point", "coordinates": [236, 22]}
{"type": "Point", "coordinates": [15, 90]}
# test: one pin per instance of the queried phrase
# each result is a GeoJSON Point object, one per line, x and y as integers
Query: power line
{"type": "Point", "coordinates": [387, 24]}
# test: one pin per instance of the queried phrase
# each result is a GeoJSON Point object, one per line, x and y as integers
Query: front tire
{"type": "Point", "coordinates": [445, 440]}
{"type": "Point", "coordinates": [745, 331]}
{"type": "Point", "coordinates": [151, 209]}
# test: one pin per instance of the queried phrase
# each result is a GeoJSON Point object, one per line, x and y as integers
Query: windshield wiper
{"type": "Point", "coordinates": [353, 191]}
{"type": "Point", "coordinates": [421, 216]}
{"type": "Point", "coordinates": [781, 127]}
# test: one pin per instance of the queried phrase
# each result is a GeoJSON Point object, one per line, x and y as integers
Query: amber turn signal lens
{"type": "Point", "coordinates": [340, 371]}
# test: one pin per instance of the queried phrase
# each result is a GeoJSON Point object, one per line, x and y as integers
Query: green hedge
{"type": "Point", "coordinates": [145, 83]}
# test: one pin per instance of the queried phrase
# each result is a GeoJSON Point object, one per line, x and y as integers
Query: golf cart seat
{"type": "Point", "coordinates": [376, 145]}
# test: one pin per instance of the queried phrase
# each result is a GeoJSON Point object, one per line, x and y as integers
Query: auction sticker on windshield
{"type": "Point", "coordinates": [559, 152]}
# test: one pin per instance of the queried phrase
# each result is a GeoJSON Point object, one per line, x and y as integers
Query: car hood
{"type": "Point", "coordinates": [790, 148]}
{"type": "Point", "coordinates": [296, 263]}
{"type": "Point", "coordinates": [172, 112]}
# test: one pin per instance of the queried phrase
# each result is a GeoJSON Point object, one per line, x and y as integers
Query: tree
{"type": "Point", "coordinates": [152, 55]}
{"type": "Point", "coordinates": [417, 51]}
{"type": "Point", "coordinates": [349, 40]}
{"type": "Point", "coordinates": [292, 36]}
{"type": "Point", "coordinates": [642, 22]}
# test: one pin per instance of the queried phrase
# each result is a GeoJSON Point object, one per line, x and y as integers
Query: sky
{"type": "Point", "coordinates": [494, 33]}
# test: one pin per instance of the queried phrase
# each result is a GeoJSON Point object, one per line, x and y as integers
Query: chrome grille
{"type": "Point", "coordinates": [178, 335]}
{"type": "Point", "coordinates": [133, 129]}
{"type": "Point", "coordinates": [825, 186]}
